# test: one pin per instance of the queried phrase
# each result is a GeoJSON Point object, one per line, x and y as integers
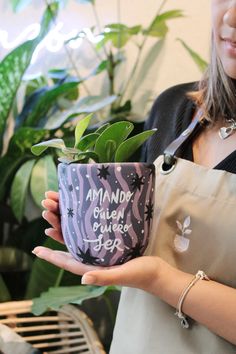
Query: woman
{"type": "Point", "coordinates": [190, 264]}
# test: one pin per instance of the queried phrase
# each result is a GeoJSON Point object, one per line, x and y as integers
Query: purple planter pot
{"type": "Point", "coordinates": [106, 210]}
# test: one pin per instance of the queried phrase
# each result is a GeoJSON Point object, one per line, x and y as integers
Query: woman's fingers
{"type": "Point", "coordinates": [51, 205]}
{"type": "Point", "coordinates": [142, 272]}
{"type": "Point", "coordinates": [52, 195]}
{"type": "Point", "coordinates": [52, 215]}
{"type": "Point", "coordinates": [63, 260]}
{"type": "Point", "coordinates": [55, 234]}
{"type": "Point", "coordinates": [52, 218]}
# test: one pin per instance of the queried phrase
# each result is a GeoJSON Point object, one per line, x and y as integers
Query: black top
{"type": "Point", "coordinates": [171, 114]}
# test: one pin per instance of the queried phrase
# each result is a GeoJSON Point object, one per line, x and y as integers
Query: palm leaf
{"type": "Point", "coordinates": [54, 298]}
{"type": "Point", "coordinates": [201, 63]}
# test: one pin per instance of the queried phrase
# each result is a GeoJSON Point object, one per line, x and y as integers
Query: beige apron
{"type": "Point", "coordinates": [194, 227]}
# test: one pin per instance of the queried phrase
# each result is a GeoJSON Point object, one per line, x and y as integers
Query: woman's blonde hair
{"type": "Point", "coordinates": [216, 93]}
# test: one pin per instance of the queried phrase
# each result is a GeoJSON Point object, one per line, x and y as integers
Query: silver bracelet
{"type": "Point", "coordinates": [200, 275]}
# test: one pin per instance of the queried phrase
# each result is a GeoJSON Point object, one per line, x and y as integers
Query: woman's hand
{"type": "Point", "coordinates": [142, 272]}
{"type": "Point", "coordinates": [52, 215]}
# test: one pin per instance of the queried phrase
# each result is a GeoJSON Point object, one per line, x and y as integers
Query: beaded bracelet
{"type": "Point", "coordinates": [200, 275]}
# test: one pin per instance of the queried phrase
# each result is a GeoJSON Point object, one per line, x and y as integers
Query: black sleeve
{"type": "Point", "coordinates": [170, 115]}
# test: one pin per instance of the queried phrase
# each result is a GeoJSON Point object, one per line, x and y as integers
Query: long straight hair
{"type": "Point", "coordinates": [216, 94]}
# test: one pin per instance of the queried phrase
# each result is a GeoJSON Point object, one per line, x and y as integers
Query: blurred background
{"type": "Point", "coordinates": [172, 64]}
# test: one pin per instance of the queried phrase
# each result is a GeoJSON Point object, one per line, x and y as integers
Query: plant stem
{"type": "Point", "coordinates": [94, 49]}
{"type": "Point", "coordinates": [76, 69]}
{"type": "Point", "coordinates": [109, 57]}
{"type": "Point", "coordinates": [110, 70]}
{"type": "Point", "coordinates": [133, 72]}
{"type": "Point", "coordinates": [118, 21]}
{"type": "Point", "coordinates": [69, 55]}
{"type": "Point", "coordinates": [98, 25]}
{"type": "Point", "coordinates": [59, 278]}
{"type": "Point", "coordinates": [110, 309]}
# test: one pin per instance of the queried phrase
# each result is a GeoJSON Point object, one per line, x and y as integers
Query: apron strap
{"type": "Point", "coordinates": [193, 128]}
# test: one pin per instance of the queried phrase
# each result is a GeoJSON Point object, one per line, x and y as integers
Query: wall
{"type": "Point", "coordinates": [172, 66]}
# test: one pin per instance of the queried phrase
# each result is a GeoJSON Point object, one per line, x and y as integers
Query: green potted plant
{"type": "Point", "coordinates": [106, 203]}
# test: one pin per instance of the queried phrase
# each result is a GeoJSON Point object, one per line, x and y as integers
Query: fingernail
{"type": "Point", "coordinates": [34, 252]}
{"type": "Point", "coordinates": [46, 194]}
{"type": "Point", "coordinates": [88, 279]}
{"type": "Point", "coordinates": [42, 203]}
{"type": "Point", "coordinates": [44, 214]}
{"type": "Point", "coordinates": [46, 231]}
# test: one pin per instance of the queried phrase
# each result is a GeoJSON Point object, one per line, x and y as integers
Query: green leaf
{"type": "Point", "coordinates": [110, 148]}
{"type": "Point", "coordinates": [158, 27]}
{"type": "Point", "coordinates": [125, 108]}
{"type": "Point", "coordinates": [18, 152]}
{"type": "Point", "coordinates": [35, 84]}
{"type": "Point", "coordinates": [102, 128]}
{"type": "Point", "coordinates": [119, 34]}
{"type": "Point", "coordinates": [19, 189]}
{"type": "Point", "coordinates": [46, 101]}
{"type": "Point", "coordinates": [118, 39]}
{"type": "Point", "coordinates": [119, 27]}
{"type": "Point", "coordinates": [86, 2]}
{"type": "Point", "coordinates": [81, 126]}
{"type": "Point", "coordinates": [201, 63]}
{"type": "Point", "coordinates": [57, 297]}
{"type": "Point", "coordinates": [24, 138]}
{"type": "Point", "coordinates": [151, 65]}
{"type": "Point", "coordinates": [72, 95]}
{"type": "Point", "coordinates": [48, 19]}
{"type": "Point", "coordinates": [70, 151]}
{"type": "Point", "coordinates": [168, 15]}
{"type": "Point", "coordinates": [57, 74]}
{"type": "Point", "coordinates": [12, 68]}
{"type": "Point", "coordinates": [8, 166]}
{"type": "Point", "coordinates": [88, 104]}
{"type": "Point", "coordinates": [85, 155]}
{"type": "Point", "coordinates": [87, 141]}
{"type": "Point", "coordinates": [100, 68]}
{"type": "Point", "coordinates": [43, 178]}
{"type": "Point", "coordinates": [128, 147]}
{"type": "Point", "coordinates": [19, 5]}
{"type": "Point", "coordinates": [4, 292]}
{"type": "Point", "coordinates": [118, 132]}
{"type": "Point", "coordinates": [92, 104]}
{"type": "Point", "coordinates": [39, 148]}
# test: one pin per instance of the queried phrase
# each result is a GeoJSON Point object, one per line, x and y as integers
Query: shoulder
{"type": "Point", "coordinates": [171, 113]}
{"type": "Point", "coordinates": [173, 100]}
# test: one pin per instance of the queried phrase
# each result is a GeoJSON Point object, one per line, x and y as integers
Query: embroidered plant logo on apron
{"type": "Point", "coordinates": [181, 242]}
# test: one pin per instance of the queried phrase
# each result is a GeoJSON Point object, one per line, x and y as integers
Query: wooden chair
{"type": "Point", "coordinates": [68, 330]}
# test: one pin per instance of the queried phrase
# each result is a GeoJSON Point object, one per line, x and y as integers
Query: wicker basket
{"type": "Point", "coordinates": [67, 331]}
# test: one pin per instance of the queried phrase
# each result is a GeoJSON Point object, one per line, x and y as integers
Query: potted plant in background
{"type": "Point", "coordinates": [106, 203]}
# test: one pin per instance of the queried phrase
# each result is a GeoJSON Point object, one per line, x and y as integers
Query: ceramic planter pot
{"type": "Point", "coordinates": [106, 210]}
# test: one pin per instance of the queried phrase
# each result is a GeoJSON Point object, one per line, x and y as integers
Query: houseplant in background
{"type": "Point", "coordinates": [14, 154]}
{"type": "Point", "coordinates": [106, 206]}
